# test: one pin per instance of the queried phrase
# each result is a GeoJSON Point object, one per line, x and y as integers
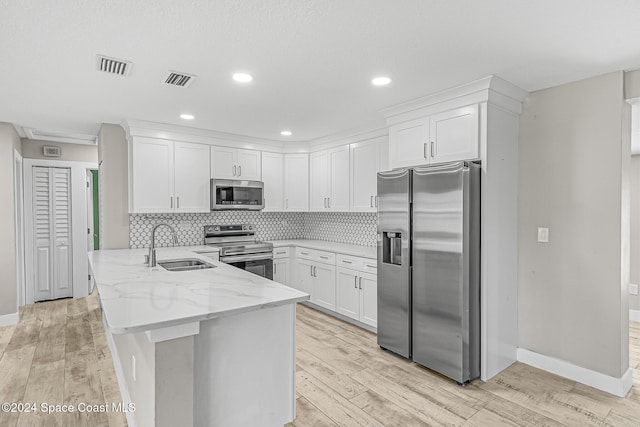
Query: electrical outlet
{"type": "Point", "coordinates": [133, 367]}
{"type": "Point", "coordinates": [543, 234]}
{"type": "Point", "coordinates": [633, 289]}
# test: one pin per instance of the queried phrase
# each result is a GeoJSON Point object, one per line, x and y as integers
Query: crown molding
{"type": "Point", "coordinates": [490, 89]}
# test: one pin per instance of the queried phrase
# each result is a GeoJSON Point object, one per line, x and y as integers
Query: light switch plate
{"type": "Point", "coordinates": [633, 289]}
{"type": "Point", "coordinates": [543, 234]}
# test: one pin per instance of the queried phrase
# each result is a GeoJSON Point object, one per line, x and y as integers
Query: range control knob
{"type": "Point", "coordinates": [251, 227]}
{"type": "Point", "coordinates": [244, 227]}
{"type": "Point", "coordinates": [216, 228]}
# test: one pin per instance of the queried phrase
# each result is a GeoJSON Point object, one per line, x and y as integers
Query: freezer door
{"type": "Point", "coordinates": [446, 249]}
{"type": "Point", "coordinates": [394, 263]}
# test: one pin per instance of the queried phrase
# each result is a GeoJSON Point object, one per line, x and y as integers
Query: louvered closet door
{"type": "Point", "coordinates": [52, 223]}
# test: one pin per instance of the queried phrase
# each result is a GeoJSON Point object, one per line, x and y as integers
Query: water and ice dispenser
{"type": "Point", "coordinates": [392, 248]}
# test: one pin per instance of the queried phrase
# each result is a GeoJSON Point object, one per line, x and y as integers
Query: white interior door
{"type": "Point", "coordinates": [52, 233]}
{"type": "Point", "coordinates": [90, 230]}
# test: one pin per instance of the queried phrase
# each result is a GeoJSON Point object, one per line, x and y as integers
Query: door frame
{"type": "Point", "coordinates": [80, 267]}
{"type": "Point", "coordinates": [18, 209]}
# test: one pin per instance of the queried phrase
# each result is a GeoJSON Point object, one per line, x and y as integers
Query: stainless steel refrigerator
{"type": "Point", "coordinates": [429, 266]}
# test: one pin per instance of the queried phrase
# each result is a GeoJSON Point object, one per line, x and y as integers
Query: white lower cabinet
{"type": "Point", "coordinates": [357, 295]}
{"type": "Point", "coordinates": [281, 266]}
{"type": "Point", "coordinates": [349, 289]}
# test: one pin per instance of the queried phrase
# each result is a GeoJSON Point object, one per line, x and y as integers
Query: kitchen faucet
{"type": "Point", "coordinates": [150, 259]}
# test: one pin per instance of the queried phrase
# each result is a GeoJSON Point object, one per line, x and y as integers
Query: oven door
{"type": "Point", "coordinates": [260, 264]}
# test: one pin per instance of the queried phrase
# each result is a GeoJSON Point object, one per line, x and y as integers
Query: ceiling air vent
{"type": "Point", "coordinates": [113, 65]}
{"type": "Point", "coordinates": [179, 79]}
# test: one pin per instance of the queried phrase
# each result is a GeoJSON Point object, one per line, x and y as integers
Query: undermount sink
{"type": "Point", "coordinates": [185, 264]}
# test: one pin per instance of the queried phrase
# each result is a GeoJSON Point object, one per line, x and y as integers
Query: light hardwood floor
{"type": "Point", "coordinates": [58, 354]}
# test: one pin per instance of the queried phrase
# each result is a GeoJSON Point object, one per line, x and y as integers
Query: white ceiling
{"type": "Point", "coordinates": [312, 59]}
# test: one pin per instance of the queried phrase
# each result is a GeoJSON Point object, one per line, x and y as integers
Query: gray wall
{"type": "Point", "coordinates": [32, 149]}
{"type": "Point", "coordinates": [114, 188]}
{"type": "Point", "coordinates": [574, 158]}
{"type": "Point", "coordinates": [9, 140]}
{"type": "Point", "coordinates": [632, 90]}
{"type": "Point", "coordinates": [634, 300]}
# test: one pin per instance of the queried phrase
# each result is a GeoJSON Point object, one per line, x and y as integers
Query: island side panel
{"type": "Point", "coordinates": [139, 388]}
{"type": "Point", "coordinates": [174, 382]}
{"type": "Point", "coordinates": [244, 370]}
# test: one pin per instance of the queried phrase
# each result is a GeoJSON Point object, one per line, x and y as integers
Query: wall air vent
{"type": "Point", "coordinates": [179, 79]}
{"type": "Point", "coordinates": [113, 65]}
{"type": "Point", "coordinates": [51, 151]}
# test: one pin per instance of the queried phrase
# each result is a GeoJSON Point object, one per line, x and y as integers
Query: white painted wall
{"type": "Point", "coordinates": [114, 187]}
{"type": "Point", "coordinates": [574, 164]}
{"type": "Point", "coordinates": [9, 140]}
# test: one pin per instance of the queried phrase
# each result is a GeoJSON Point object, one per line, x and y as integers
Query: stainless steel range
{"type": "Point", "coordinates": [239, 247]}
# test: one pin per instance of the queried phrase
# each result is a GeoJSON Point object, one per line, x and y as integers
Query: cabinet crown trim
{"type": "Point", "coordinates": [482, 90]}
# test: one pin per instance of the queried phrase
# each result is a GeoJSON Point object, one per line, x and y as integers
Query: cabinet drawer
{"type": "Point", "coordinates": [282, 252]}
{"type": "Point", "coordinates": [366, 265]}
{"type": "Point", "coordinates": [315, 255]}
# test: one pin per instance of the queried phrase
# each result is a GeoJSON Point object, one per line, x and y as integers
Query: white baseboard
{"type": "Point", "coordinates": [122, 385]}
{"type": "Point", "coordinates": [9, 319]}
{"type": "Point", "coordinates": [634, 315]}
{"type": "Point", "coordinates": [616, 386]}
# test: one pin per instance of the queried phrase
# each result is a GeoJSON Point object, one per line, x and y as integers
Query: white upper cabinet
{"type": "Point", "coordinates": [454, 135]}
{"type": "Point", "coordinates": [233, 163]}
{"type": "Point", "coordinates": [152, 177]}
{"type": "Point", "coordinates": [169, 176]}
{"type": "Point", "coordinates": [318, 181]}
{"type": "Point", "coordinates": [339, 179]}
{"type": "Point", "coordinates": [449, 136]}
{"type": "Point", "coordinates": [296, 182]}
{"type": "Point", "coordinates": [367, 159]}
{"type": "Point", "coordinates": [273, 179]}
{"type": "Point", "coordinates": [329, 178]}
{"type": "Point", "coordinates": [191, 170]}
{"type": "Point", "coordinates": [408, 143]}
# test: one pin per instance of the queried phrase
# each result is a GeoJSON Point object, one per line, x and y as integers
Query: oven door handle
{"type": "Point", "coordinates": [241, 258]}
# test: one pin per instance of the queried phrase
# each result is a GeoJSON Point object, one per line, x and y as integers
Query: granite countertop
{"type": "Point", "coordinates": [137, 298]}
{"type": "Point", "coordinates": [323, 245]}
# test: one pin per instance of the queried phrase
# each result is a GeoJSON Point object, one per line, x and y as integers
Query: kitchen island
{"type": "Point", "coordinates": [210, 347]}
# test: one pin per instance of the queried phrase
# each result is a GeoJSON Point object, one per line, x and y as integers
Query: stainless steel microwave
{"type": "Point", "coordinates": [231, 194]}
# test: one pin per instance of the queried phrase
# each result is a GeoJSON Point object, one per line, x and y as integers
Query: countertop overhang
{"type": "Point", "coordinates": [137, 298]}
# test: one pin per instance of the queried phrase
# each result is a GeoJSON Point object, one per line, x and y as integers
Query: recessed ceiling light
{"type": "Point", "coordinates": [285, 133]}
{"type": "Point", "coordinates": [242, 77]}
{"type": "Point", "coordinates": [380, 81]}
{"type": "Point", "coordinates": [187, 116]}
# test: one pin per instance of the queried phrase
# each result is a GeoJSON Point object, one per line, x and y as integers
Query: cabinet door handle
{"type": "Point", "coordinates": [370, 266]}
{"type": "Point", "coordinates": [346, 262]}
{"type": "Point", "coordinates": [355, 282]}
{"type": "Point", "coordinates": [171, 202]}
{"type": "Point", "coordinates": [275, 268]}
{"type": "Point", "coordinates": [315, 271]}
{"type": "Point", "coordinates": [178, 202]}
{"type": "Point", "coordinates": [360, 282]}
{"type": "Point", "coordinates": [371, 201]}
{"type": "Point", "coordinates": [433, 146]}
{"type": "Point", "coordinates": [424, 153]}
{"type": "Point", "coordinates": [239, 170]}
{"type": "Point", "coordinates": [234, 170]}
{"type": "Point", "coordinates": [324, 257]}
{"type": "Point", "coordinates": [329, 202]}
{"type": "Point", "coordinates": [304, 253]}
{"type": "Point", "coordinates": [311, 270]}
